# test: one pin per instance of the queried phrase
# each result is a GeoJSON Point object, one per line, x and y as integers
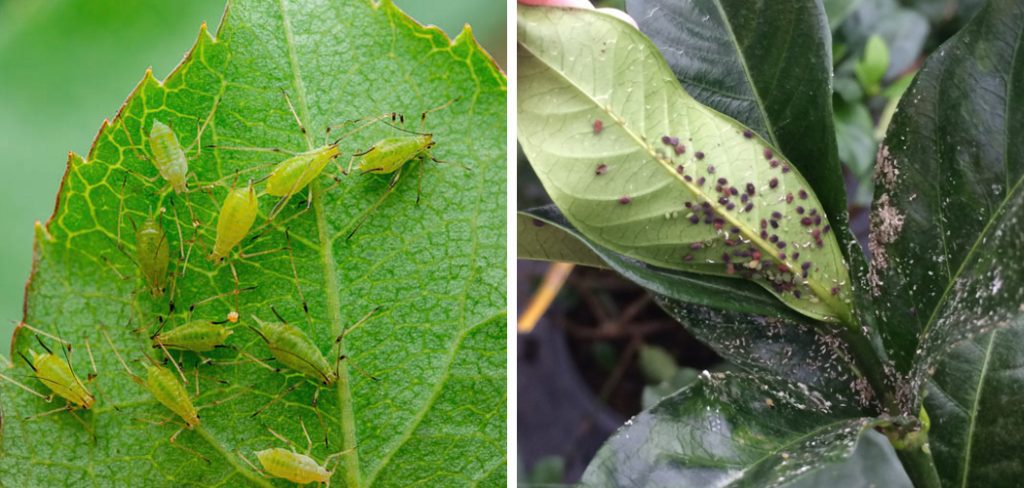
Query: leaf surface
{"type": "Point", "coordinates": [948, 179]}
{"type": "Point", "coordinates": [436, 411]}
{"type": "Point", "coordinates": [727, 204]}
{"type": "Point", "coordinates": [747, 59]}
{"type": "Point", "coordinates": [732, 430]}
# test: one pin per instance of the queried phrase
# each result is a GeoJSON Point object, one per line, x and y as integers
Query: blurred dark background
{"type": "Point", "coordinates": [604, 351]}
{"type": "Point", "coordinates": [65, 65]}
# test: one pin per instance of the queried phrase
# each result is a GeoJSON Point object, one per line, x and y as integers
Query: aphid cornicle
{"type": "Point", "coordinates": [152, 253]}
{"type": "Point", "coordinates": [292, 466]}
{"type": "Point", "coordinates": [236, 217]}
{"type": "Point", "coordinates": [195, 336]}
{"type": "Point", "coordinates": [168, 156]}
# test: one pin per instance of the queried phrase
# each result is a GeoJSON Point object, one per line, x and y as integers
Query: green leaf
{"type": "Point", "coordinates": [626, 189]}
{"type": "Point", "coordinates": [857, 146]}
{"type": "Point", "coordinates": [732, 430]}
{"type": "Point", "coordinates": [871, 67]}
{"type": "Point", "coordinates": [903, 30]}
{"type": "Point", "coordinates": [711, 291]}
{"type": "Point", "coordinates": [537, 240]}
{"type": "Point", "coordinates": [436, 413]}
{"type": "Point", "coordinates": [948, 180]}
{"type": "Point", "coordinates": [746, 60]}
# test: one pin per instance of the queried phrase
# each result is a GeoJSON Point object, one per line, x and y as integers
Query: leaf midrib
{"type": "Point", "coordinates": [973, 414]}
{"type": "Point", "coordinates": [746, 73]}
{"type": "Point", "coordinates": [821, 291]}
{"type": "Point", "coordinates": [331, 285]}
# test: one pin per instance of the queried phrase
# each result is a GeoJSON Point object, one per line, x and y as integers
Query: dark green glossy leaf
{"type": "Point", "coordinates": [975, 395]}
{"type": "Point", "coordinates": [974, 401]}
{"type": "Point", "coordinates": [711, 291]}
{"type": "Point", "coordinates": [748, 60]}
{"type": "Point", "coordinates": [948, 178]}
{"type": "Point", "coordinates": [733, 430]}
{"type": "Point", "coordinates": [435, 413]}
{"type": "Point", "coordinates": [633, 187]}
{"type": "Point", "coordinates": [796, 349]}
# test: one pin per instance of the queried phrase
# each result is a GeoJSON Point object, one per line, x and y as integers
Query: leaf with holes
{"type": "Point", "coordinates": [643, 169]}
{"type": "Point", "coordinates": [421, 393]}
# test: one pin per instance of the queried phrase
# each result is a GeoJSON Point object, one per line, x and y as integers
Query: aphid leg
{"type": "Point", "coordinates": [251, 465]}
{"type": "Point", "coordinates": [369, 211]}
{"type": "Point", "coordinates": [175, 363]}
{"type": "Point", "coordinates": [120, 359]}
{"type": "Point", "coordinates": [47, 398]}
{"type": "Point", "coordinates": [45, 334]}
{"type": "Point", "coordinates": [200, 128]}
{"type": "Point", "coordinates": [277, 398]}
{"type": "Point", "coordinates": [292, 109]}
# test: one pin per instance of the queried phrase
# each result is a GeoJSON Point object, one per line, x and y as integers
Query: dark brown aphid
{"type": "Point", "coordinates": [722, 181]}
{"type": "Point", "coordinates": [598, 126]}
{"type": "Point", "coordinates": [680, 149]}
{"type": "Point", "coordinates": [700, 181]}
{"type": "Point", "coordinates": [748, 134]}
{"type": "Point", "coordinates": [679, 169]}
{"type": "Point", "coordinates": [767, 153]}
{"type": "Point", "coordinates": [698, 155]}
{"type": "Point", "coordinates": [688, 178]}
{"type": "Point", "coordinates": [537, 223]}
{"type": "Point", "coordinates": [806, 221]}
{"type": "Point", "coordinates": [773, 163]}
{"type": "Point", "coordinates": [772, 183]}
{"type": "Point", "coordinates": [688, 257]}
{"type": "Point", "coordinates": [625, 200]}
{"type": "Point", "coordinates": [799, 210]}
{"type": "Point", "coordinates": [601, 169]}
{"type": "Point", "coordinates": [750, 189]}
{"type": "Point", "coordinates": [749, 207]}
{"type": "Point", "coordinates": [802, 194]}
{"type": "Point", "coordinates": [776, 215]}
{"type": "Point", "coordinates": [711, 169]}
{"type": "Point", "coordinates": [789, 198]}
{"type": "Point", "coordinates": [785, 168]}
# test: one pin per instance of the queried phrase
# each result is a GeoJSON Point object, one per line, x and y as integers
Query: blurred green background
{"type": "Point", "coordinates": [65, 65]}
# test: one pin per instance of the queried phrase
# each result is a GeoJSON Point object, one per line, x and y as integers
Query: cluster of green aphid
{"type": "Point", "coordinates": [289, 345]}
{"type": "Point", "coordinates": [763, 253]}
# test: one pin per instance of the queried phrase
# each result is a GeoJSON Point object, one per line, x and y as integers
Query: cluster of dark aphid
{"type": "Point", "coordinates": [288, 344]}
{"type": "Point", "coordinates": [745, 258]}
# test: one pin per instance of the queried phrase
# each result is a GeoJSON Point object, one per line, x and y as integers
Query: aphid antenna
{"type": "Point", "coordinates": [235, 292]}
{"type": "Point", "coordinates": [39, 332]}
{"type": "Point", "coordinates": [358, 324]}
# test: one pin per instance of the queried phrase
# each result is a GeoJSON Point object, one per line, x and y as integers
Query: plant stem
{"type": "Point", "coordinates": [920, 466]}
{"type": "Point", "coordinates": [868, 361]}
